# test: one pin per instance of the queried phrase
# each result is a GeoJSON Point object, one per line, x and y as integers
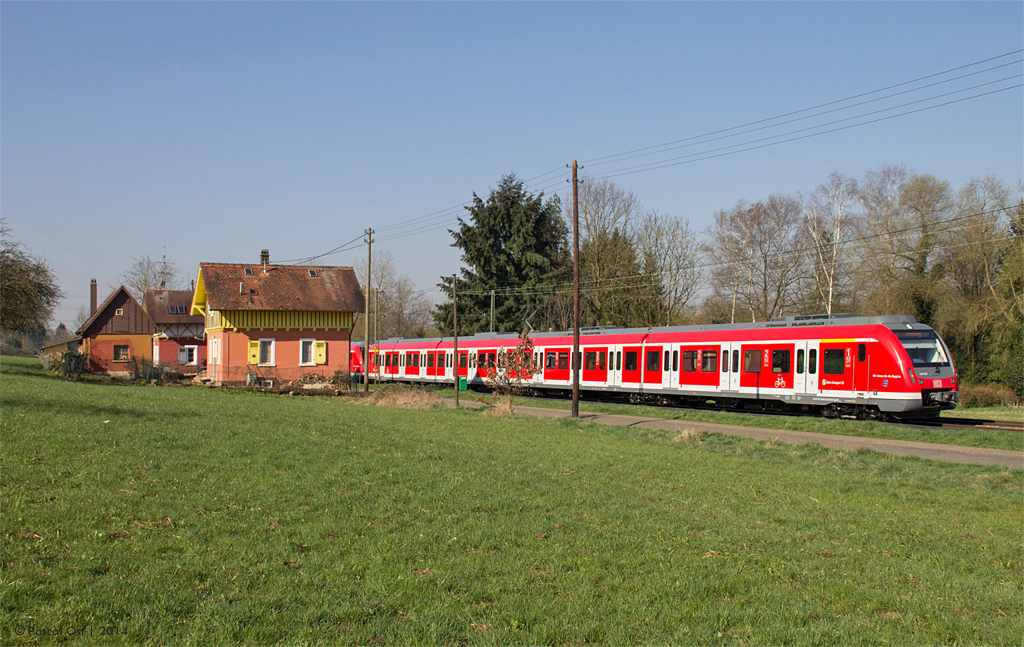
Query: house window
{"type": "Point", "coordinates": [307, 352]}
{"type": "Point", "coordinates": [266, 352]}
{"type": "Point", "coordinates": [187, 355]}
{"type": "Point", "coordinates": [119, 312]}
{"type": "Point", "coordinates": [120, 353]}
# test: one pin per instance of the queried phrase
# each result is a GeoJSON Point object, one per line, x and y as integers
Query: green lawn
{"type": "Point", "coordinates": [200, 516]}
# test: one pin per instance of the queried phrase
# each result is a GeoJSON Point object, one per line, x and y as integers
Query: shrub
{"type": "Point", "coordinates": [987, 395]}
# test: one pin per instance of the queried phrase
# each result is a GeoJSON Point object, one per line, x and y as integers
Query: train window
{"type": "Point", "coordinates": [709, 361]}
{"type": "Point", "coordinates": [481, 359]}
{"type": "Point", "coordinates": [563, 360]}
{"type": "Point", "coordinates": [602, 360]}
{"type": "Point", "coordinates": [675, 360]}
{"type": "Point", "coordinates": [735, 361]}
{"type": "Point", "coordinates": [861, 352]}
{"type": "Point", "coordinates": [832, 361]}
{"type": "Point", "coordinates": [812, 361]}
{"type": "Point", "coordinates": [666, 360]}
{"type": "Point", "coordinates": [752, 361]}
{"type": "Point", "coordinates": [800, 361]}
{"type": "Point", "coordinates": [463, 360]}
{"type": "Point", "coordinates": [653, 360]}
{"type": "Point", "coordinates": [618, 360]}
{"type": "Point", "coordinates": [552, 360]}
{"type": "Point", "coordinates": [689, 361]}
{"type": "Point", "coordinates": [630, 360]}
{"type": "Point", "coordinates": [725, 362]}
{"type": "Point", "coordinates": [430, 360]}
{"type": "Point", "coordinates": [590, 361]}
{"type": "Point", "coordinates": [780, 361]}
{"type": "Point", "coordinates": [416, 360]}
{"type": "Point", "coordinates": [492, 359]}
{"type": "Point", "coordinates": [401, 359]}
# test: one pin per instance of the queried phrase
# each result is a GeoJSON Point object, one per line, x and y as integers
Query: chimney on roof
{"type": "Point", "coordinates": [92, 297]}
{"type": "Point", "coordinates": [265, 259]}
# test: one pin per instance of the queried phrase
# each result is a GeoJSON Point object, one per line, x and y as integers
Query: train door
{"type": "Point", "coordinates": [835, 366]}
{"type": "Point", "coordinates": [800, 367]}
{"type": "Point", "coordinates": [862, 369]}
{"type": "Point", "coordinates": [805, 367]}
{"type": "Point", "coordinates": [632, 356]}
{"type": "Point", "coordinates": [595, 365]}
{"type": "Point", "coordinates": [731, 363]}
{"type": "Point", "coordinates": [614, 371]}
{"type": "Point", "coordinates": [652, 365]}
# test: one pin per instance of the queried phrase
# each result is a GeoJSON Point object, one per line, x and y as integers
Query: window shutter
{"type": "Point", "coordinates": [254, 352]}
{"type": "Point", "coordinates": [321, 352]}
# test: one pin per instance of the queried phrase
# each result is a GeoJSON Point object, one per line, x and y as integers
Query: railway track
{"type": "Point", "coordinates": [940, 423]}
{"type": "Point", "coordinates": [972, 423]}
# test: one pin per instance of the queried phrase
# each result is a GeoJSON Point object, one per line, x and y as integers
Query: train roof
{"type": "Point", "coordinates": [797, 321]}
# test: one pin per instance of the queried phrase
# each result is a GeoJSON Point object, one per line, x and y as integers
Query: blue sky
{"type": "Point", "coordinates": [208, 131]}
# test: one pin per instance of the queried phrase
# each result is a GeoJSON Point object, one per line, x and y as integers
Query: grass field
{"type": "Point", "coordinates": [150, 515]}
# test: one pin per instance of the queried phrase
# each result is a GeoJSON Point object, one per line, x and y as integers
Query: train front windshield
{"type": "Point", "coordinates": [924, 347]}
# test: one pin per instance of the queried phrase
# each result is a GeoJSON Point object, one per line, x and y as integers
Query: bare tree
{"type": "Point", "coordinates": [978, 238]}
{"type": "Point", "coordinates": [905, 217]}
{"type": "Point", "coordinates": [826, 216]}
{"type": "Point", "coordinates": [754, 249]}
{"type": "Point", "coordinates": [609, 267]}
{"type": "Point", "coordinates": [671, 251]}
{"type": "Point", "coordinates": [147, 274]}
{"type": "Point", "coordinates": [404, 309]}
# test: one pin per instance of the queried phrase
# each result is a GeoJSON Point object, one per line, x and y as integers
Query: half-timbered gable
{"type": "Point", "coordinates": [272, 323]}
{"type": "Point", "coordinates": [179, 340]}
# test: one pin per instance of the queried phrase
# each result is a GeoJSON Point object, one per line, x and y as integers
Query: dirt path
{"type": "Point", "coordinates": [931, 451]}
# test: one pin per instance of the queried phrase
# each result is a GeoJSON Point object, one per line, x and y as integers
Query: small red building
{"type": "Point", "coordinates": [118, 337]}
{"type": "Point", "coordinates": [179, 341]}
{"type": "Point", "coordinates": [268, 324]}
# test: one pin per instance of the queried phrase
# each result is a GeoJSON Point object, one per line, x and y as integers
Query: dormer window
{"type": "Point", "coordinates": [248, 271]}
{"type": "Point", "coordinates": [312, 274]}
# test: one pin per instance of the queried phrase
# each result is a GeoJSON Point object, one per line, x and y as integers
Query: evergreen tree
{"type": "Point", "coordinates": [515, 243]}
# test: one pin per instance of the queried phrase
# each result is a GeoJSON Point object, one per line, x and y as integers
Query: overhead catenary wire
{"type": "Point", "coordinates": [445, 218]}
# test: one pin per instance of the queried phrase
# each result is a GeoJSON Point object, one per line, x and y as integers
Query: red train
{"type": "Point", "coordinates": [835, 365]}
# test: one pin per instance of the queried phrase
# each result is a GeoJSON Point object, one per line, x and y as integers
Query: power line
{"type": "Point", "coordinates": [822, 105]}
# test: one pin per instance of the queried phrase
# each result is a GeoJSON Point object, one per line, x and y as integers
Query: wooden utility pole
{"type": "Point", "coordinates": [574, 362]}
{"type": "Point", "coordinates": [366, 318]}
{"type": "Point", "coordinates": [455, 348]}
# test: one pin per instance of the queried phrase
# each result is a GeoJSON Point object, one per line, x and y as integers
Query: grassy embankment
{"type": "Point", "coordinates": [196, 516]}
{"type": "Point", "coordinates": [987, 438]}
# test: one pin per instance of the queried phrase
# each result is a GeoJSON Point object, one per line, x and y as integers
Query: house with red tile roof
{"type": "Point", "coordinates": [179, 341]}
{"type": "Point", "coordinates": [268, 324]}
